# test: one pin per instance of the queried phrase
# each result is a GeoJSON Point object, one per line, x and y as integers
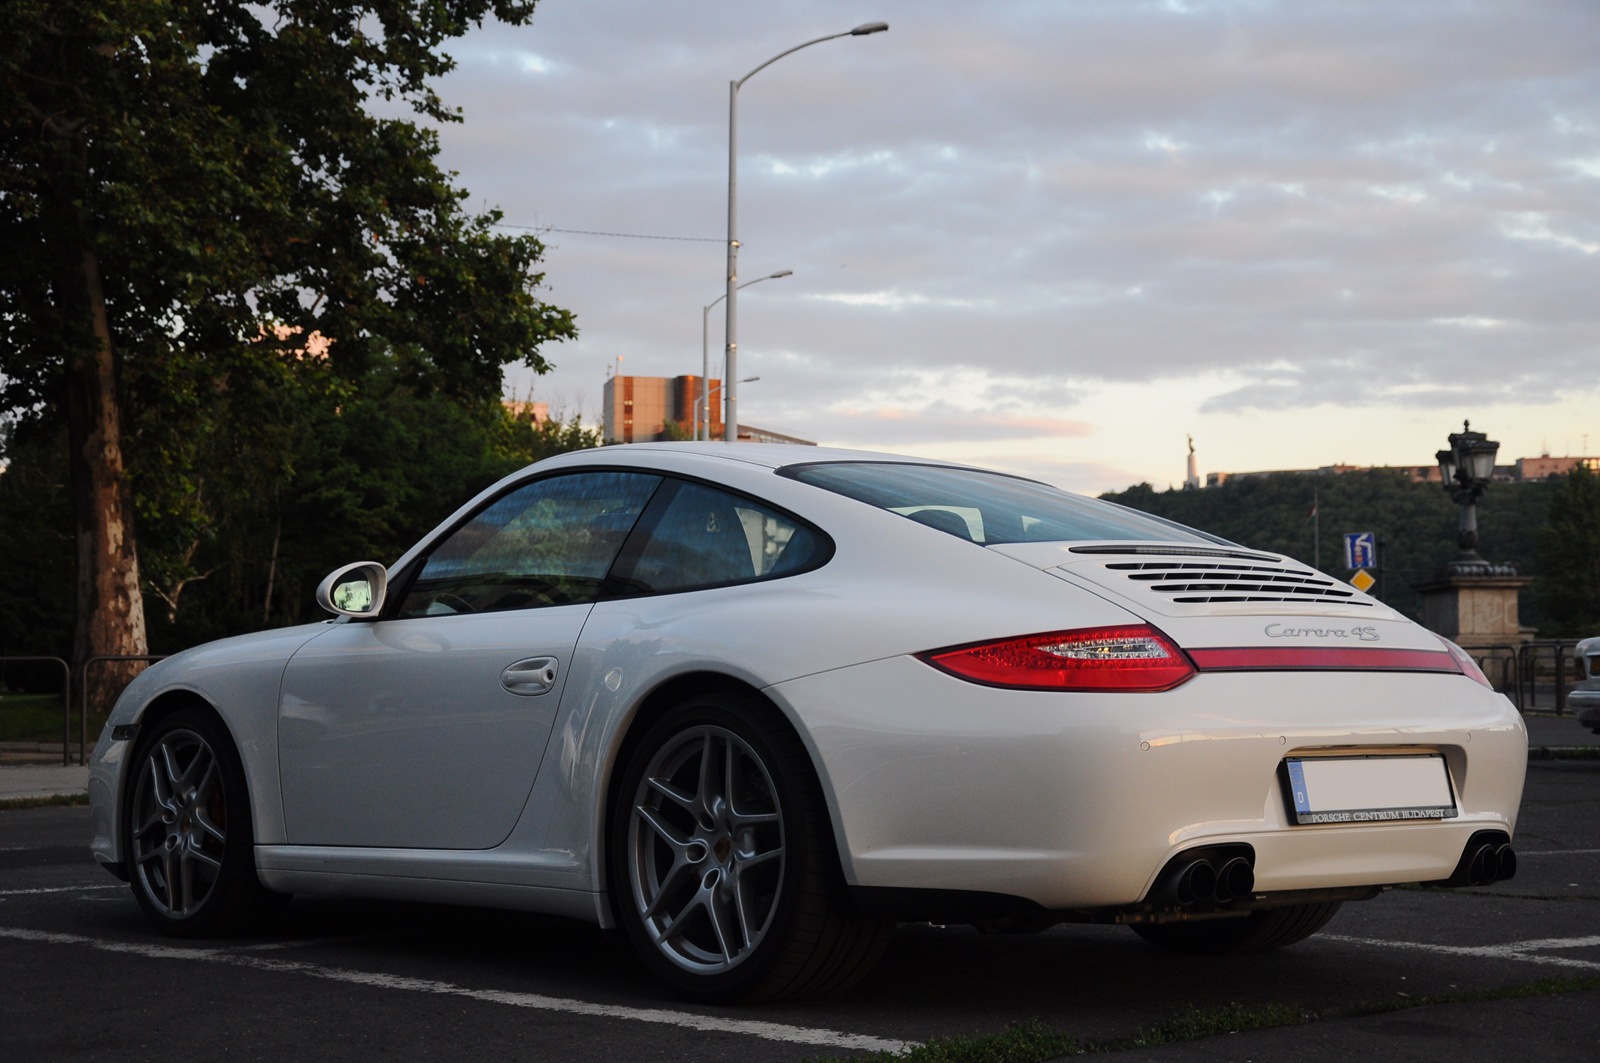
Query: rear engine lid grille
{"type": "Point", "coordinates": [1193, 582]}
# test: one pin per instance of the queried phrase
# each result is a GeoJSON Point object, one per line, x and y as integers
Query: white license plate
{"type": "Point", "coordinates": [1373, 789]}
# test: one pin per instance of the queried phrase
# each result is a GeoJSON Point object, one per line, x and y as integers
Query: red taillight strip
{"type": "Point", "coordinates": [1322, 659]}
{"type": "Point", "coordinates": [1048, 661]}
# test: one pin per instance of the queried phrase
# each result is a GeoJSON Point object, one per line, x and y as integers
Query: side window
{"type": "Point", "coordinates": [547, 543]}
{"type": "Point", "coordinates": [701, 537]}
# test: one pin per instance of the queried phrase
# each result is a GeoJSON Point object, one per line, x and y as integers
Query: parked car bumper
{"type": "Point", "coordinates": [1078, 800]}
{"type": "Point", "coordinates": [1584, 701]}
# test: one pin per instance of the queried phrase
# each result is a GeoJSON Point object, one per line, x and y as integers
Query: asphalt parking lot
{"type": "Point", "coordinates": [84, 977]}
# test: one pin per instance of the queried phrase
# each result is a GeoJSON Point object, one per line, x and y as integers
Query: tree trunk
{"type": "Point", "coordinates": [110, 604]}
{"type": "Point", "coordinates": [272, 569]}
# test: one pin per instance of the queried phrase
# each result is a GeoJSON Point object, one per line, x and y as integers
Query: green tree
{"type": "Point", "coordinates": [192, 195]}
{"type": "Point", "coordinates": [36, 545]}
{"type": "Point", "coordinates": [362, 471]}
{"type": "Point", "coordinates": [367, 472]}
{"type": "Point", "coordinates": [1568, 587]}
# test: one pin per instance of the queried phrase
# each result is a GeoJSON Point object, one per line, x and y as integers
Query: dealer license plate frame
{"type": "Point", "coordinates": [1301, 799]}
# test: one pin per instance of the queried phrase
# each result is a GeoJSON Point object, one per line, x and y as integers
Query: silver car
{"type": "Point", "coordinates": [1584, 699]}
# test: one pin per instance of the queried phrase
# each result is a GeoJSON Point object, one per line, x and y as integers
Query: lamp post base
{"type": "Point", "coordinates": [1475, 606]}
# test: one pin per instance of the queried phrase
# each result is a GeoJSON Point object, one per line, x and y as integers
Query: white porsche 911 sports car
{"type": "Point", "coordinates": [752, 704]}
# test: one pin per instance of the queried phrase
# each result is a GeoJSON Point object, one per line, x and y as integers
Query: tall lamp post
{"type": "Point", "coordinates": [1467, 469]}
{"type": "Point", "coordinates": [706, 401]}
{"type": "Point", "coordinates": [705, 350]}
{"type": "Point", "coordinates": [730, 386]}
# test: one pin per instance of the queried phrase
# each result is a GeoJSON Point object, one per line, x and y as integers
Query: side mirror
{"type": "Point", "coordinates": [355, 590]}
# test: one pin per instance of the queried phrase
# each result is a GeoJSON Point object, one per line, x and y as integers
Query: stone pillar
{"type": "Point", "coordinates": [1475, 612]}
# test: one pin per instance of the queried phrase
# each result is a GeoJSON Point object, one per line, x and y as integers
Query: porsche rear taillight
{"type": "Point", "coordinates": [1131, 658]}
{"type": "Point", "coordinates": [1464, 661]}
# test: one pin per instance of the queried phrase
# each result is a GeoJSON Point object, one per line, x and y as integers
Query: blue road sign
{"type": "Point", "coordinates": [1360, 550]}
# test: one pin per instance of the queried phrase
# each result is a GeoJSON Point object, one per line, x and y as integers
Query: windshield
{"type": "Point", "coordinates": [987, 507]}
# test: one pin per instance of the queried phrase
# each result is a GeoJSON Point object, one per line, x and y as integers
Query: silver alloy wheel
{"type": "Point", "coordinates": [179, 823]}
{"type": "Point", "coordinates": [706, 850]}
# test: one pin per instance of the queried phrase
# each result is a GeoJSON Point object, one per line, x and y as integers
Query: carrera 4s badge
{"type": "Point", "coordinates": [1364, 634]}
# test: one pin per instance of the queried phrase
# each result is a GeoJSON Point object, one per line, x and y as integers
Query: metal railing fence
{"type": "Point", "coordinates": [1501, 665]}
{"type": "Point", "coordinates": [66, 699]}
{"type": "Point", "coordinates": [1556, 657]}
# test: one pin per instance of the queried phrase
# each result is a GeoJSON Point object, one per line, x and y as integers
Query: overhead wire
{"type": "Point", "coordinates": [596, 232]}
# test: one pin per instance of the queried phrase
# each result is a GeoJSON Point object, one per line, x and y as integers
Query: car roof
{"type": "Point", "coordinates": [760, 455]}
{"type": "Point", "coordinates": [779, 455]}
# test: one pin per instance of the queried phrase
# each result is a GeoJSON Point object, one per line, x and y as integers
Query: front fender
{"type": "Point", "coordinates": [240, 679]}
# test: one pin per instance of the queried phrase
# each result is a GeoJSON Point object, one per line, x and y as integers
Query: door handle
{"type": "Point", "coordinates": [536, 675]}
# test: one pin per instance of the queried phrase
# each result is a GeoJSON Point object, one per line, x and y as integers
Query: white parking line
{"type": "Point", "coordinates": [273, 946]}
{"type": "Point", "coordinates": [60, 889]}
{"type": "Point", "coordinates": [771, 1031]}
{"type": "Point", "coordinates": [1526, 951]}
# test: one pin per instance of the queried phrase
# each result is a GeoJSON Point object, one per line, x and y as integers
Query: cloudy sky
{"type": "Point", "coordinates": [1056, 237]}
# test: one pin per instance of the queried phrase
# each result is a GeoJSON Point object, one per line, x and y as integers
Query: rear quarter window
{"type": "Point", "coordinates": [986, 507]}
{"type": "Point", "coordinates": [694, 536]}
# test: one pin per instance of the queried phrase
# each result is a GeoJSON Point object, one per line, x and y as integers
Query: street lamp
{"type": "Point", "coordinates": [731, 391]}
{"type": "Point", "coordinates": [705, 351]}
{"type": "Point", "coordinates": [706, 400]}
{"type": "Point", "coordinates": [1467, 469]}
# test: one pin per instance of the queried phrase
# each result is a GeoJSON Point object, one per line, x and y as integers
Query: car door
{"type": "Point", "coordinates": [424, 729]}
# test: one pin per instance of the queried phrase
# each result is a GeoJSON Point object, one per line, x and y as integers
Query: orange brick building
{"type": "Point", "coordinates": [637, 408]}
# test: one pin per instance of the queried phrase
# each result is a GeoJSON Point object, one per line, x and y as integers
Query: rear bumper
{"type": "Point", "coordinates": [1077, 800]}
{"type": "Point", "coordinates": [1585, 704]}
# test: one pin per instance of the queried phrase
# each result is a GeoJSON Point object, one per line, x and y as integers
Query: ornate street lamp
{"type": "Point", "coordinates": [1468, 468]}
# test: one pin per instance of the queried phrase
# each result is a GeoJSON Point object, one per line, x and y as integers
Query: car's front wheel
{"type": "Point", "coordinates": [187, 831]}
{"type": "Point", "coordinates": [1260, 931]}
{"type": "Point", "coordinates": [724, 873]}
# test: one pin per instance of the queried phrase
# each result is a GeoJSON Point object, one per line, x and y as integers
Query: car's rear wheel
{"type": "Point", "coordinates": [187, 831]}
{"type": "Point", "coordinates": [724, 873]}
{"type": "Point", "coordinates": [1260, 931]}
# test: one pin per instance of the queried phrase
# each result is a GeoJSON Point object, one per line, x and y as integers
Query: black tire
{"type": "Point", "coordinates": [1261, 931]}
{"type": "Point", "coordinates": [802, 936]}
{"type": "Point", "coordinates": [167, 829]}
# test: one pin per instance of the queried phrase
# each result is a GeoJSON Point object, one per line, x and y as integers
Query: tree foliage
{"type": "Point", "coordinates": [212, 241]}
{"type": "Point", "coordinates": [1568, 588]}
{"type": "Point", "coordinates": [1416, 520]}
{"type": "Point", "coordinates": [366, 471]}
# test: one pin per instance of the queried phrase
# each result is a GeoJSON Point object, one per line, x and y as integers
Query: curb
{"type": "Point", "coordinates": [1564, 752]}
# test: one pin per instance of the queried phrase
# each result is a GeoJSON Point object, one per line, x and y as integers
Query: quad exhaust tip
{"type": "Point", "coordinates": [1223, 882]}
{"type": "Point", "coordinates": [1490, 863]}
{"type": "Point", "coordinates": [1236, 880]}
{"type": "Point", "coordinates": [1197, 882]}
{"type": "Point", "coordinates": [1487, 858]}
{"type": "Point", "coordinates": [1207, 877]}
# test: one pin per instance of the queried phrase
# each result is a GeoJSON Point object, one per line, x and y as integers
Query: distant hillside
{"type": "Point", "coordinates": [1418, 522]}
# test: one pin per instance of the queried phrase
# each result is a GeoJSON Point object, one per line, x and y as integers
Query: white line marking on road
{"type": "Point", "coordinates": [272, 946]}
{"type": "Point", "coordinates": [1556, 852]}
{"type": "Point", "coordinates": [1557, 943]}
{"type": "Point", "coordinates": [771, 1031]}
{"type": "Point", "coordinates": [1516, 950]}
{"type": "Point", "coordinates": [59, 889]}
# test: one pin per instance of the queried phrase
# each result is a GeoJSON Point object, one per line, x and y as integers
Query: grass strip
{"type": "Point", "coordinates": [1029, 1042]}
{"type": "Point", "coordinates": [1479, 891]}
{"type": "Point", "coordinates": [37, 718]}
{"type": "Point", "coordinates": [12, 804]}
{"type": "Point", "coordinates": [1564, 752]}
{"type": "Point", "coordinates": [1196, 1023]}
{"type": "Point", "coordinates": [1033, 1042]}
{"type": "Point", "coordinates": [1543, 987]}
